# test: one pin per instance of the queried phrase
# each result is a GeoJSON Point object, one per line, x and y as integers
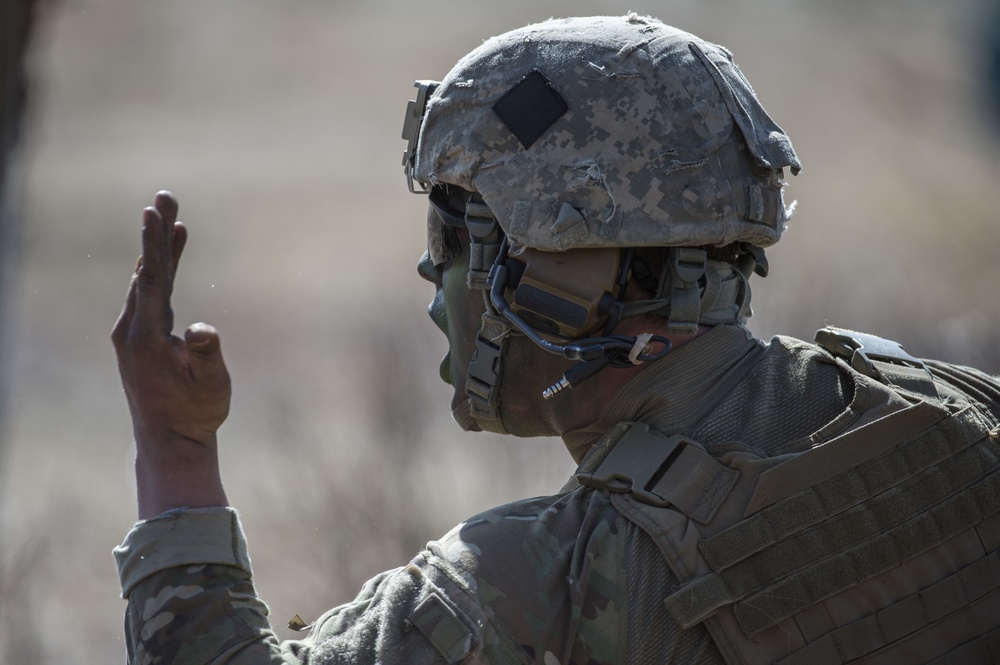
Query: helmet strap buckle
{"type": "Point", "coordinates": [686, 268]}
{"type": "Point", "coordinates": [482, 384]}
{"type": "Point", "coordinates": [485, 237]}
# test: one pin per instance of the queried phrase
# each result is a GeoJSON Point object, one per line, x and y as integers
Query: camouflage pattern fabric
{"type": "Point", "coordinates": [537, 581]}
{"type": "Point", "coordinates": [554, 580]}
{"type": "Point", "coordinates": [608, 131]}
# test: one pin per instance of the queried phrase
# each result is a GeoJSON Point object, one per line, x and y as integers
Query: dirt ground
{"type": "Point", "coordinates": [277, 125]}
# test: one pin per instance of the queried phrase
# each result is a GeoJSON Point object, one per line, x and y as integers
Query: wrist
{"type": "Point", "coordinates": [177, 472]}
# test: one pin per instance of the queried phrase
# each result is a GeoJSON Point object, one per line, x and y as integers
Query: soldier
{"type": "Point", "coordinates": [600, 191]}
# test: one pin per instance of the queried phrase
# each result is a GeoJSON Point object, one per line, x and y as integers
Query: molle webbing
{"type": "Point", "coordinates": [760, 608]}
{"type": "Point", "coordinates": [905, 617]}
{"type": "Point", "coordinates": [838, 491]}
{"type": "Point", "coordinates": [984, 649]}
{"type": "Point", "coordinates": [841, 532]}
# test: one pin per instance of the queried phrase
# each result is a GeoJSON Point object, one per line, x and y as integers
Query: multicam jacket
{"type": "Point", "coordinates": [560, 579]}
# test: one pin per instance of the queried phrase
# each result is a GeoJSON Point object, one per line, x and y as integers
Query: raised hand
{"type": "Point", "coordinates": [178, 390]}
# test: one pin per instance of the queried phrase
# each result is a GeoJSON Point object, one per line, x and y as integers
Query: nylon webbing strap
{"type": "Point", "coordinates": [486, 364]}
{"type": "Point", "coordinates": [481, 259]}
{"type": "Point", "coordinates": [857, 447]}
{"type": "Point", "coordinates": [658, 470]}
{"type": "Point", "coordinates": [903, 618]}
{"type": "Point", "coordinates": [696, 484]}
{"type": "Point", "coordinates": [687, 267]}
{"type": "Point", "coordinates": [724, 299]}
{"type": "Point", "coordinates": [913, 379]}
{"type": "Point", "coordinates": [984, 649]}
{"type": "Point", "coordinates": [727, 302]}
{"type": "Point", "coordinates": [713, 288]}
{"type": "Point", "coordinates": [485, 238]}
{"type": "Point", "coordinates": [751, 559]}
{"type": "Point", "coordinates": [486, 367]}
{"type": "Point", "coordinates": [763, 597]}
{"type": "Point", "coordinates": [842, 492]}
{"type": "Point", "coordinates": [484, 242]}
{"type": "Point", "coordinates": [870, 558]}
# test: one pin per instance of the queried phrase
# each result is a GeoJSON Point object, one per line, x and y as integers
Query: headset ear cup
{"type": "Point", "coordinates": [561, 293]}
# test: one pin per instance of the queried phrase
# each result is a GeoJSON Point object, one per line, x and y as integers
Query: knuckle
{"type": "Point", "coordinates": [145, 277]}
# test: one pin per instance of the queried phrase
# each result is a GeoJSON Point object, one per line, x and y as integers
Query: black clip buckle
{"type": "Point", "coordinates": [635, 464]}
{"type": "Point", "coordinates": [485, 364]}
{"type": "Point", "coordinates": [862, 348]}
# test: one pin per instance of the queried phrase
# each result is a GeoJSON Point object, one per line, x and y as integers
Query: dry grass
{"type": "Point", "coordinates": [278, 127]}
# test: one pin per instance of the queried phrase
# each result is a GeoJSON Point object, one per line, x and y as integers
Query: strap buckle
{"type": "Point", "coordinates": [688, 263]}
{"type": "Point", "coordinates": [862, 350]}
{"type": "Point", "coordinates": [485, 364]}
{"type": "Point", "coordinates": [635, 463]}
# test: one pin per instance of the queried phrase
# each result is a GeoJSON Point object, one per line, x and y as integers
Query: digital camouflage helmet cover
{"type": "Point", "coordinates": [607, 131]}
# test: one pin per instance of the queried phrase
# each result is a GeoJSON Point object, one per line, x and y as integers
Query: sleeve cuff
{"type": "Point", "coordinates": [183, 537]}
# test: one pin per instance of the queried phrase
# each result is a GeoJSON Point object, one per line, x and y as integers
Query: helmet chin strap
{"type": "Point", "coordinates": [461, 413]}
{"type": "Point", "coordinates": [482, 383]}
{"type": "Point", "coordinates": [480, 410]}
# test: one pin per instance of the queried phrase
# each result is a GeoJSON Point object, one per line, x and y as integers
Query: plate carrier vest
{"type": "Point", "coordinates": [879, 545]}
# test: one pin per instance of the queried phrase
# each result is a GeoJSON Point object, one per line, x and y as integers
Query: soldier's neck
{"type": "Point", "coordinates": [665, 394]}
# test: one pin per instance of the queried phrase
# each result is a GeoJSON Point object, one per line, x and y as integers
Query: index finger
{"type": "Point", "coordinates": [119, 333]}
{"type": "Point", "coordinates": [166, 205]}
{"type": "Point", "coordinates": [155, 279]}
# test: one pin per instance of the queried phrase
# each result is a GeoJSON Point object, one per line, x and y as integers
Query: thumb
{"type": "Point", "coordinates": [204, 351]}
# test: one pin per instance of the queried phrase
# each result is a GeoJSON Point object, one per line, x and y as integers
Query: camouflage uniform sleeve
{"type": "Point", "coordinates": [550, 570]}
{"type": "Point", "coordinates": [186, 575]}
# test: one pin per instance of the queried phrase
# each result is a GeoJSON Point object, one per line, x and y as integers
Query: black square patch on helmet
{"type": "Point", "coordinates": [530, 107]}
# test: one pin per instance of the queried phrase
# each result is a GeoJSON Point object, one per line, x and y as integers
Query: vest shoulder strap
{"type": "Point", "coordinates": [878, 358]}
{"type": "Point", "coordinates": [658, 470]}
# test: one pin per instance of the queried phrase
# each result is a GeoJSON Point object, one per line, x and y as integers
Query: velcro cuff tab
{"type": "Point", "coordinates": [441, 624]}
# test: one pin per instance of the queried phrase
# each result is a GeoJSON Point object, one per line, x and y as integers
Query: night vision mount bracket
{"type": "Point", "coordinates": [411, 130]}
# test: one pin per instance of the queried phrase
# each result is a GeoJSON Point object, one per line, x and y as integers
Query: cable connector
{"type": "Point", "coordinates": [556, 388]}
{"type": "Point", "coordinates": [576, 375]}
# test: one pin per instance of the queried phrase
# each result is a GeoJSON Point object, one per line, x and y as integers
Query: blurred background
{"type": "Point", "coordinates": [277, 126]}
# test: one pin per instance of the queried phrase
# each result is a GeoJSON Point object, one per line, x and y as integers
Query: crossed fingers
{"type": "Point", "coordinates": [147, 310]}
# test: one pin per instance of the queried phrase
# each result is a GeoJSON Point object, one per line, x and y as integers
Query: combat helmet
{"type": "Point", "coordinates": [590, 137]}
